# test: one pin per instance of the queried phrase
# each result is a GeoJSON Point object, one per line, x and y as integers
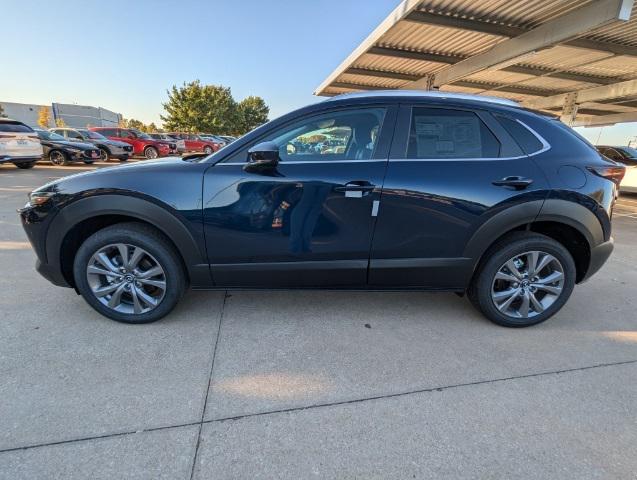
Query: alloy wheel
{"type": "Point", "coordinates": [57, 158]}
{"type": "Point", "coordinates": [527, 284]}
{"type": "Point", "coordinates": [151, 153]}
{"type": "Point", "coordinates": [126, 278]}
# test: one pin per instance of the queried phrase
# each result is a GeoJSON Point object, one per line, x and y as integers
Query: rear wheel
{"type": "Point", "coordinates": [524, 279]}
{"type": "Point", "coordinates": [25, 165]}
{"type": "Point", "coordinates": [151, 153]}
{"type": "Point", "coordinates": [207, 149]}
{"type": "Point", "coordinates": [57, 157]}
{"type": "Point", "coordinates": [130, 273]}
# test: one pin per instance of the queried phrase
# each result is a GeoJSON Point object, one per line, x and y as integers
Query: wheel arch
{"type": "Point", "coordinates": [75, 222]}
{"type": "Point", "coordinates": [569, 223]}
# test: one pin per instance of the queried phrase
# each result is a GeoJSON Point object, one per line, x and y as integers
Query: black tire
{"type": "Point", "coordinates": [510, 246]}
{"type": "Point", "coordinates": [105, 155]}
{"type": "Point", "coordinates": [151, 153]}
{"type": "Point", "coordinates": [25, 165]}
{"type": "Point", "coordinates": [149, 239]}
{"type": "Point", "coordinates": [57, 157]}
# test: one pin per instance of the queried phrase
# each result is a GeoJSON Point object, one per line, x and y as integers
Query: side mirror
{"type": "Point", "coordinates": [264, 155]}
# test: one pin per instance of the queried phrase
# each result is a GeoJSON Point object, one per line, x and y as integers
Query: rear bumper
{"type": "Point", "coordinates": [599, 255]}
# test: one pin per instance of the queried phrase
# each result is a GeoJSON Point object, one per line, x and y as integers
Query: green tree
{"type": "Point", "coordinates": [252, 112]}
{"type": "Point", "coordinates": [44, 117]}
{"type": "Point", "coordinates": [194, 108]}
{"type": "Point", "coordinates": [2, 114]}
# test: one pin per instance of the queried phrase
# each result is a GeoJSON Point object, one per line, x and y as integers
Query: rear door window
{"type": "Point", "coordinates": [439, 133]}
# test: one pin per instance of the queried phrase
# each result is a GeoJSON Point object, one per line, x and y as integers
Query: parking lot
{"type": "Point", "coordinates": [275, 384]}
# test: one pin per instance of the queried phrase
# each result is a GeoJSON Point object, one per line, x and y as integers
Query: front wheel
{"type": "Point", "coordinates": [58, 158]}
{"type": "Point", "coordinates": [104, 155]}
{"type": "Point", "coordinates": [151, 153]}
{"type": "Point", "coordinates": [524, 279]}
{"type": "Point", "coordinates": [207, 150]}
{"type": "Point", "coordinates": [130, 273]}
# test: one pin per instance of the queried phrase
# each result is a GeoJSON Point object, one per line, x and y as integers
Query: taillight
{"type": "Point", "coordinates": [613, 173]}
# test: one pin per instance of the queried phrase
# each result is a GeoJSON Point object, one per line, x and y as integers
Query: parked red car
{"type": "Point", "coordinates": [143, 144]}
{"type": "Point", "coordinates": [194, 143]}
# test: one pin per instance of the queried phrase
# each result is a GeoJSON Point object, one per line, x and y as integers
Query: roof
{"type": "Point", "coordinates": [576, 58]}
{"type": "Point", "coordinates": [426, 94]}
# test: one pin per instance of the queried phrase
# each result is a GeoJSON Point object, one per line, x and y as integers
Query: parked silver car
{"type": "Point", "coordinates": [108, 148]}
{"type": "Point", "coordinates": [181, 144]}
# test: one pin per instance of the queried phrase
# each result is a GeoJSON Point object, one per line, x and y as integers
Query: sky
{"type": "Point", "coordinates": [124, 55]}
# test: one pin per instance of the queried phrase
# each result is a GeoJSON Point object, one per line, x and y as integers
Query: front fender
{"type": "Point", "coordinates": [192, 250]}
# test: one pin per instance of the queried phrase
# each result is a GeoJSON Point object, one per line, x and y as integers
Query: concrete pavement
{"type": "Point", "coordinates": [313, 384]}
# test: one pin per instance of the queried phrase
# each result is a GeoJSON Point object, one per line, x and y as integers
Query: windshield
{"type": "Point", "coordinates": [93, 135]}
{"type": "Point", "coordinates": [629, 151]}
{"type": "Point", "coordinates": [143, 135]}
{"type": "Point", "coordinates": [44, 135]}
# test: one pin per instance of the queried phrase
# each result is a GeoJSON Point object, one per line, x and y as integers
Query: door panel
{"type": "Point", "coordinates": [306, 223]}
{"type": "Point", "coordinates": [431, 207]}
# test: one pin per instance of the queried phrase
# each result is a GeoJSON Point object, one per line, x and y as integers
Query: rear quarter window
{"type": "Point", "coordinates": [527, 141]}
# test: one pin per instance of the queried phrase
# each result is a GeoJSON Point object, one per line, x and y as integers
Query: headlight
{"type": "Point", "coordinates": [40, 198]}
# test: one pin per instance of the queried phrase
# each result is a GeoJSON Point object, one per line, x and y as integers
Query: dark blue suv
{"type": "Point", "coordinates": [377, 191]}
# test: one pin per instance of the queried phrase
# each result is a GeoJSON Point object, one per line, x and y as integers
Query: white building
{"type": "Point", "coordinates": [73, 115]}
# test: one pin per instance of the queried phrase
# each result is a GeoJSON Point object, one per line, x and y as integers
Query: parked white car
{"type": "Point", "coordinates": [629, 183]}
{"type": "Point", "coordinates": [626, 156]}
{"type": "Point", "coordinates": [19, 144]}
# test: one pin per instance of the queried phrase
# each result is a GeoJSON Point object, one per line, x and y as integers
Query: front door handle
{"type": "Point", "coordinates": [519, 183]}
{"type": "Point", "coordinates": [355, 189]}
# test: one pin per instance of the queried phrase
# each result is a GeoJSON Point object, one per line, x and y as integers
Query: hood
{"type": "Point", "coordinates": [69, 144]}
{"type": "Point", "coordinates": [115, 143]}
{"type": "Point", "coordinates": [130, 169]}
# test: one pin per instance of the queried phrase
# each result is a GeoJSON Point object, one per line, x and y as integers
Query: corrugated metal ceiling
{"type": "Point", "coordinates": [559, 69]}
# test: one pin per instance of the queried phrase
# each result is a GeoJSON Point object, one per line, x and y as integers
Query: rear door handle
{"type": "Point", "coordinates": [519, 183]}
{"type": "Point", "coordinates": [355, 189]}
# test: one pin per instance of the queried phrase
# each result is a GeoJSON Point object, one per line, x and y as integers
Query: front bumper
{"type": "Point", "coordinates": [51, 273]}
{"type": "Point", "coordinates": [599, 255]}
{"type": "Point", "coordinates": [121, 152]}
{"type": "Point", "coordinates": [7, 159]}
{"type": "Point", "coordinates": [35, 222]}
{"type": "Point", "coordinates": [84, 156]}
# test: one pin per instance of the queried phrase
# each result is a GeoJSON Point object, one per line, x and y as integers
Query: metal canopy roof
{"type": "Point", "coordinates": [576, 58]}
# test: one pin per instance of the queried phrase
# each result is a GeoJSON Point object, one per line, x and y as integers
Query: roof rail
{"type": "Point", "coordinates": [425, 93]}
